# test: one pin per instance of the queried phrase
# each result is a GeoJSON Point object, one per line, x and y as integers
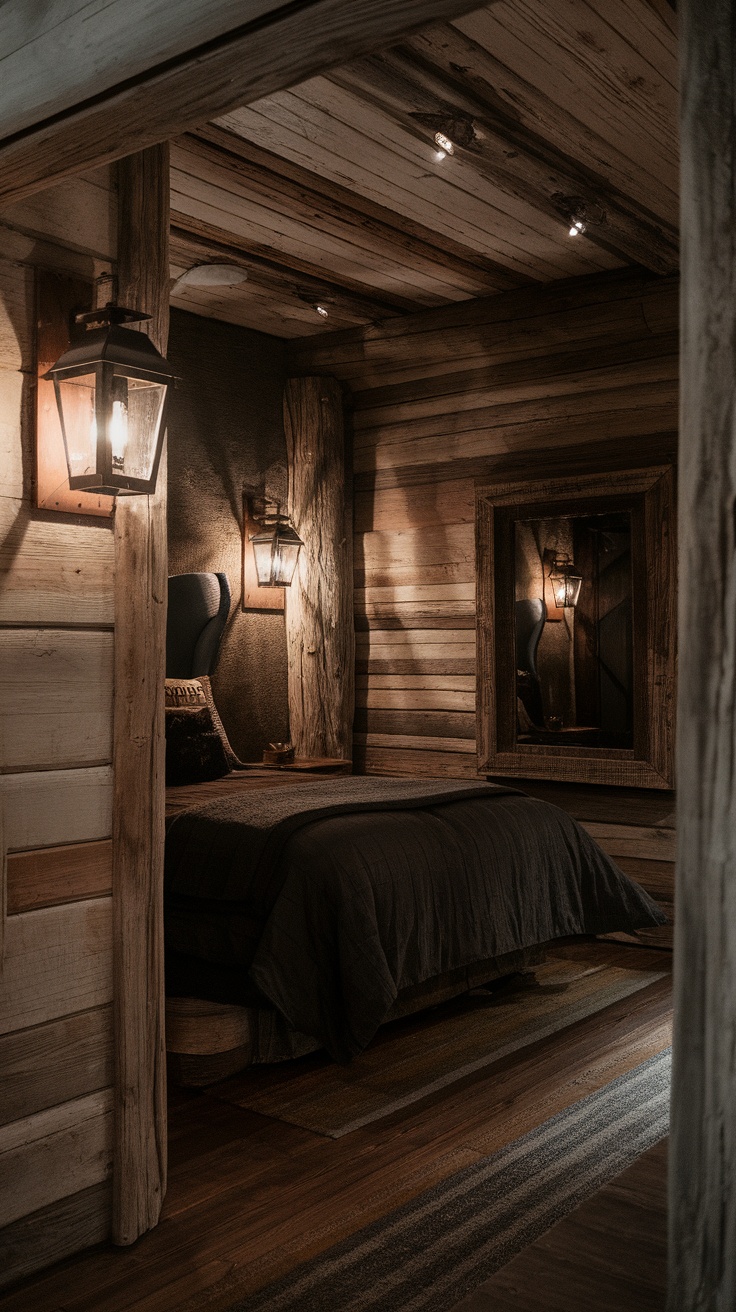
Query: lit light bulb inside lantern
{"type": "Point", "coordinates": [445, 146]}
{"type": "Point", "coordinates": [118, 434]}
{"type": "Point", "coordinates": [577, 227]}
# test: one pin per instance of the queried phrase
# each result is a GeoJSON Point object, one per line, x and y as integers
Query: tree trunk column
{"type": "Point", "coordinates": [139, 1171]}
{"type": "Point", "coordinates": [703, 1145]}
{"type": "Point", "coordinates": [319, 604]}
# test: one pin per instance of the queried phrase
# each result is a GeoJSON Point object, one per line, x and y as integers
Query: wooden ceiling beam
{"type": "Point", "coordinates": [288, 279]}
{"type": "Point", "coordinates": [447, 48]}
{"type": "Point", "coordinates": [327, 203]}
{"type": "Point", "coordinates": [281, 44]}
{"type": "Point", "coordinates": [521, 163]}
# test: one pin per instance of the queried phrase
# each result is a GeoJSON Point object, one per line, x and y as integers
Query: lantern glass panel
{"type": "Point", "coordinates": [566, 588]}
{"type": "Point", "coordinates": [137, 410]}
{"type": "Point", "coordinates": [263, 552]}
{"type": "Point", "coordinates": [285, 556]}
{"type": "Point", "coordinates": [76, 404]}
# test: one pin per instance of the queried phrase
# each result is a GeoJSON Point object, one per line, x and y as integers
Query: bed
{"type": "Point", "coordinates": [304, 913]}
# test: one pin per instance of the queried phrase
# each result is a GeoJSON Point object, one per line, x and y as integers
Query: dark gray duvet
{"type": "Point", "coordinates": [334, 896]}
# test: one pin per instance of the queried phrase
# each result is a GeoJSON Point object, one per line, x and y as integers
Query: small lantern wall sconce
{"type": "Point", "coordinates": [111, 392]}
{"type": "Point", "coordinates": [271, 549]}
{"type": "Point", "coordinates": [276, 549]}
{"type": "Point", "coordinates": [566, 581]}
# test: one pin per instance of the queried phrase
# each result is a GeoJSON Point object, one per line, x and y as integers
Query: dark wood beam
{"type": "Point", "coordinates": [521, 163]}
{"type": "Point", "coordinates": [284, 44]}
{"type": "Point", "coordinates": [291, 280]}
{"type": "Point", "coordinates": [139, 1166]}
{"type": "Point", "coordinates": [338, 209]}
{"type": "Point", "coordinates": [703, 1143]}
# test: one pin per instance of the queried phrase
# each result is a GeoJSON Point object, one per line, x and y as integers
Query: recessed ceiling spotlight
{"type": "Point", "coordinates": [322, 311]}
{"type": "Point", "coordinates": [211, 275]}
{"type": "Point", "coordinates": [445, 146]}
{"type": "Point", "coordinates": [576, 227]}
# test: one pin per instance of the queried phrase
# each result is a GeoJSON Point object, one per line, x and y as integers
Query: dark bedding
{"type": "Point", "coordinates": [333, 897]}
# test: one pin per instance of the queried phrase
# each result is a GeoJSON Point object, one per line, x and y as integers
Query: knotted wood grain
{"type": "Point", "coordinates": [703, 1144]}
{"type": "Point", "coordinates": [319, 603]}
{"type": "Point", "coordinates": [139, 1177]}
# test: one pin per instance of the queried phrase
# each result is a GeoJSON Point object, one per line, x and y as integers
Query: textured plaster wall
{"type": "Point", "coordinates": [226, 432]}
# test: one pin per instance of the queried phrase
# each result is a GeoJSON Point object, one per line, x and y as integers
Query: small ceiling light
{"type": "Point", "coordinates": [576, 227]}
{"type": "Point", "coordinates": [111, 390]}
{"type": "Point", "coordinates": [210, 275]}
{"type": "Point", "coordinates": [276, 550]}
{"type": "Point", "coordinates": [566, 581]}
{"type": "Point", "coordinates": [444, 145]}
{"type": "Point", "coordinates": [322, 311]}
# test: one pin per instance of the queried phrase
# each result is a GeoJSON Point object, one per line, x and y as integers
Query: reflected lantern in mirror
{"type": "Point", "coordinates": [111, 390]}
{"type": "Point", "coordinates": [276, 551]}
{"type": "Point", "coordinates": [566, 582]}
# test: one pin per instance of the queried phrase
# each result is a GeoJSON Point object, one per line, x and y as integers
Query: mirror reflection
{"type": "Point", "coordinates": [574, 633]}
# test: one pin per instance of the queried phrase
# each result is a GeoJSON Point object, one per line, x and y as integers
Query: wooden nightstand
{"type": "Point", "coordinates": [307, 765]}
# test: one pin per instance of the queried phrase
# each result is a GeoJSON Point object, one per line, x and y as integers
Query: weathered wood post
{"type": "Point", "coordinates": [139, 1171]}
{"type": "Point", "coordinates": [703, 1145]}
{"type": "Point", "coordinates": [319, 604]}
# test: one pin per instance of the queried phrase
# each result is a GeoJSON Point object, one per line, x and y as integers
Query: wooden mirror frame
{"type": "Point", "coordinates": [649, 495]}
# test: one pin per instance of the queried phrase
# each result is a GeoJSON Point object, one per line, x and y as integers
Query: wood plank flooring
{"type": "Point", "coordinates": [609, 1255]}
{"type": "Point", "coordinates": [250, 1198]}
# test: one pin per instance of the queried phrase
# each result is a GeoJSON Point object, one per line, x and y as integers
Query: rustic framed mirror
{"type": "Point", "coordinates": [576, 607]}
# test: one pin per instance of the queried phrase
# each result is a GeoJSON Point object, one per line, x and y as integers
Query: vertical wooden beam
{"type": "Point", "coordinates": [703, 1146]}
{"type": "Point", "coordinates": [319, 604]}
{"type": "Point", "coordinates": [139, 1180]}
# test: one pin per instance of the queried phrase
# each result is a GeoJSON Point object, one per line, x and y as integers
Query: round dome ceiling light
{"type": "Point", "coordinates": [211, 275]}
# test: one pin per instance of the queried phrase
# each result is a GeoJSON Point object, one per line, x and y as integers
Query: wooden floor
{"type": "Point", "coordinates": [250, 1198]}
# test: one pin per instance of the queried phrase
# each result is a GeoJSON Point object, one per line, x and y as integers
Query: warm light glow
{"type": "Point", "coordinates": [446, 147]}
{"type": "Point", "coordinates": [276, 551]}
{"type": "Point", "coordinates": [119, 433]}
{"type": "Point", "coordinates": [566, 582]}
{"type": "Point", "coordinates": [577, 227]}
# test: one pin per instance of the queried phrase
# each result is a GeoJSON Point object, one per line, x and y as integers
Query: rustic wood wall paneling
{"type": "Point", "coordinates": [703, 1143]}
{"type": "Point", "coordinates": [50, 876]}
{"type": "Point", "coordinates": [319, 604]}
{"type": "Point", "coordinates": [575, 376]}
{"type": "Point", "coordinates": [221, 70]}
{"type": "Point", "coordinates": [56, 661]}
{"type": "Point", "coordinates": [139, 1180]}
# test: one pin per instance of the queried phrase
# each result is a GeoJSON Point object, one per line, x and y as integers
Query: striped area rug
{"type": "Point", "coordinates": [410, 1060]}
{"type": "Point", "coordinates": [431, 1253]}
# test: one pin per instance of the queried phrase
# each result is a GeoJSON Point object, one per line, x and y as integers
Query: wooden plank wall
{"type": "Point", "coordinates": [56, 651]}
{"type": "Point", "coordinates": [576, 375]}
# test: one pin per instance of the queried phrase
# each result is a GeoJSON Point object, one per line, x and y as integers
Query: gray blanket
{"type": "Point", "coordinates": [336, 895]}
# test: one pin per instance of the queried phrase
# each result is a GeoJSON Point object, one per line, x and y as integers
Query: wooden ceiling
{"type": "Point", "coordinates": [332, 193]}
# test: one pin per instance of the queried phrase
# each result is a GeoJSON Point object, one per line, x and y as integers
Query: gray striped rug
{"type": "Point", "coordinates": [429, 1254]}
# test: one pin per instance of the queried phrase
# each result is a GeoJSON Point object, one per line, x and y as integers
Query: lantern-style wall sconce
{"type": "Point", "coordinates": [111, 392]}
{"type": "Point", "coordinates": [276, 550]}
{"type": "Point", "coordinates": [271, 549]}
{"type": "Point", "coordinates": [566, 581]}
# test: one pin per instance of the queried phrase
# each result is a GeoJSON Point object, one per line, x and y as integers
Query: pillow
{"type": "Point", "coordinates": [194, 751]}
{"type": "Point", "coordinates": [193, 698]}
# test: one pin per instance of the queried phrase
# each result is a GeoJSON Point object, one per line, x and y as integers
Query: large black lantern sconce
{"type": "Point", "coordinates": [111, 391]}
{"type": "Point", "coordinates": [566, 581]}
{"type": "Point", "coordinates": [276, 550]}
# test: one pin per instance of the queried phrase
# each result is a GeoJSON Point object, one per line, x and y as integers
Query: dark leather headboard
{"type": "Point", "coordinates": [199, 605]}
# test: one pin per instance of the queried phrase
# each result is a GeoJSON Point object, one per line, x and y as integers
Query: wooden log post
{"type": "Point", "coordinates": [319, 604]}
{"type": "Point", "coordinates": [139, 1173]}
{"type": "Point", "coordinates": [703, 1144]}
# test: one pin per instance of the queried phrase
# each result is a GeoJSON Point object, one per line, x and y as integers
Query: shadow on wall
{"type": "Point", "coordinates": [226, 432]}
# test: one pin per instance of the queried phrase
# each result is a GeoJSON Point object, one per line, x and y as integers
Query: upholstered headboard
{"type": "Point", "coordinates": [199, 605]}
